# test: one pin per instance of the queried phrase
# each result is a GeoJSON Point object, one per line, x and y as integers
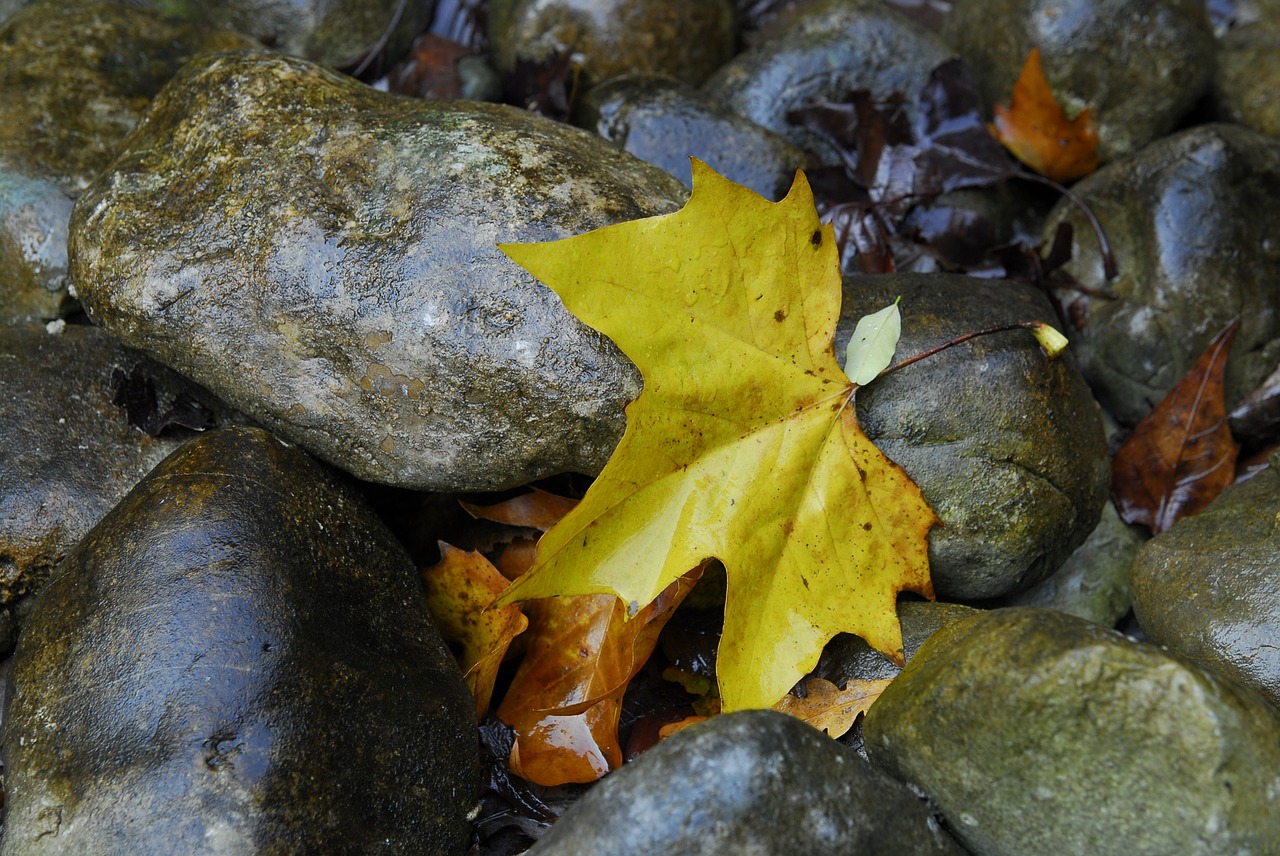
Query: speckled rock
{"type": "Point", "coordinates": [1247, 85]}
{"type": "Point", "coordinates": [237, 659]}
{"type": "Point", "coordinates": [1193, 224]}
{"type": "Point", "coordinates": [77, 78]}
{"type": "Point", "coordinates": [336, 33]}
{"type": "Point", "coordinates": [824, 54]}
{"type": "Point", "coordinates": [1093, 583]}
{"type": "Point", "coordinates": [1209, 588]}
{"type": "Point", "coordinates": [324, 257]}
{"type": "Point", "coordinates": [33, 248]}
{"type": "Point", "coordinates": [683, 39]}
{"type": "Point", "coordinates": [68, 454]}
{"type": "Point", "coordinates": [664, 122]}
{"type": "Point", "coordinates": [1006, 444]}
{"type": "Point", "coordinates": [1141, 65]}
{"type": "Point", "coordinates": [1037, 732]}
{"type": "Point", "coordinates": [755, 782]}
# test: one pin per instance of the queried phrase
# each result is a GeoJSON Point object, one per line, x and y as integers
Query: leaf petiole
{"type": "Point", "coordinates": [1050, 340]}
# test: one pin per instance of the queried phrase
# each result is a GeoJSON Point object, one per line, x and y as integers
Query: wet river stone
{"type": "Point", "coordinates": [33, 248]}
{"type": "Point", "coordinates": [1193, 224]}
{"type": "Point", "coordinates": [324, 257]}
{"type": "Point", "coordinates": [1209, 588]}
{"type": "Point", "coordinates": [77, 78]}
{"type": "Point", "coordinates": [67, 453]}
{"type": "Point", "coordinates": [1006, 444]}
{"type": "Point", "coordinates": [835, 48]}
{"type": "Point", "coordinates": [337, 33]}
{"type": "Point", "coordinates": [236, 660]}
{"type": "Point", "coordinates": [755, 782]}
{"type": "Point", "coordinates": [681, 39]}
{"type": "Point", "coordinates": [664, 122]}
{"type": "Point", "coordinates": [1038, 732]}
{"type": "Point", "coordinates": [1248, 78]}
{"type": "Point", "coordinates": [1141, 65]}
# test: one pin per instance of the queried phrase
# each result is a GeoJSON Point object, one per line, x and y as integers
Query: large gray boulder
{"type": "Point", "coordinates": [325, 257]}
{"type": "Point", "coordinates": [1038, 732]}
{"type": "Point", "coordinates": [237, 660]}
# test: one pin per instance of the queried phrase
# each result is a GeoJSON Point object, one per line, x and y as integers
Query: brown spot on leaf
{"type": "Point", "coordinates": [780, 316]}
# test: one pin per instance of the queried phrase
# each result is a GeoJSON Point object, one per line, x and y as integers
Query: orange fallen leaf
{"type": "Point", "coordinates": [1182, 455]}
{"type": "Point", "coordinates": [828, 708]}
{"type": "Point", "coordinates": [459, 590]}
{"type": "Point", "coordinates": [1036, 130]}
{"type": "Point", "coordinates": [566, 697]}
{"type": "Point", "coordinates": [680, 725]}
{"type": "Point", "coordinates": [537, 509]}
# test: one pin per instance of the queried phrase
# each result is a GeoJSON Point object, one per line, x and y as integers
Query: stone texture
{"type": "Point", "coordinates": [1192, 222]}
{"type": "Point", "coordinates": [1038, 732]}
{"type": "Point", "coordinates": [68, 454]}
{"type": "Point", "coordinates": [664, 122]}
{"type": "Point", "coordinates": [824, 54]}
{"type": "Point", "coordinates": [681, 39]}
{"type": "Point", "coordinates": [1141, 65]}
{"type": "Point", "coordinates": [77, 78]}
{"type": "Point", "coordinates": [33, 248]}
{"type": "Point", "coordinates": [324, 257]}
{"type": "Point", "coordinates": [1006, 444]}
{"type": "Point", "coordinates": [755, 782]}
{"type": "Point", "coordinates": [1247, 85]}
{"type": "Point", "coordinates": [1209, 588]}
{"type": "Point", "coordinates": [237, 659]}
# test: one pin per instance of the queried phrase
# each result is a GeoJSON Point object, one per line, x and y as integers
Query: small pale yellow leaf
{"type": "Point", "coordinates": [872, 345]}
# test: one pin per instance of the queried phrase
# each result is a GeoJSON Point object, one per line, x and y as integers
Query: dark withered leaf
{"type": "Point", "coordinates": [430, 70]}
{"type": "Point", "coordinates": [1258, 416]}
{"type": "Point", "coordinates": [135, 392]}
{"type": "Point", "coordinates": [549, 86]}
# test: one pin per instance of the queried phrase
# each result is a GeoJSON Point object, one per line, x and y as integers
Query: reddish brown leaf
{"type": "Point", "coordinates": [830, 709]}
{"type": "Point", "coordinates": [565, 700]}
{"type": "Point", "coordinates": [1037, 131]}
{"type": "Point", "coordinates": [534, 510]}
{"type": "Point", "coordinates": [459, 589]}
{"type": "Point", "coordinates": [1182, 455]}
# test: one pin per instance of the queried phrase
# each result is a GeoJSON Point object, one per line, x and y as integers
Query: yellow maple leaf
{"type": "Point", "coordinates": [744, 445]}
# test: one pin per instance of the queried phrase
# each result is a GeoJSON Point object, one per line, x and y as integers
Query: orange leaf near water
{"type": "Point", "coordinates": [1036, 130]}
{"type": "Point", "coordinates": [537, 509]}
{"type": "Point", "coordinates": [459, 589]}
{"type": "Point", "coordinates": [1182, 455]}
{"type": "Point", "coordinates": [828, 708]}
{"type": "Point", "coordinates": [566, 697]}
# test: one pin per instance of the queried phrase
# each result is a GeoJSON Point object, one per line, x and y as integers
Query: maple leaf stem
{"type": "Point", "coordinates": [1104, 246]}
{"type": "Point", "coordinates": [1033, 326]}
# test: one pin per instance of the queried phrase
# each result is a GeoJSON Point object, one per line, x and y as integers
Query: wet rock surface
{"type": "Point", "coordinates": [1248, 76]}
{"type": "Point", "coordinates": [1005, 444]}
{"type": "Point", "coordinates": [236, 659]}
{"type": "Point", "coordinates": [1209, 588]}
{"type": "Point", "coordinates": [33, 248]}
{"type": "Point", "coordinates": [682, 39]}
{"type": "Point", "coordinates": [68, 453]}
{"type": "Point", "coordinates": [77, 78]}
{"type": "Point", "coordinates": [1142, 66]}
{"type": "Point", "coordinates": [1037, 732]}
{"type": "Point", "coordinates": [359, 305]}
{"type": "Point", "coordinates": [826, 53]}
{"type": "Point", "coordinates": [1192, 223]}
{"type": "Point", "coordinates": [754, 782]}
{"type": "Point", "coordinates": [336, 33]}
{"type": "Point", "coordinates": [664, 122]}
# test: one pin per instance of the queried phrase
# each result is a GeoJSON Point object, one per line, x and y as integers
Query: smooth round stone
{"type": "Point", "coordinates": [1192, 221]}
{"type": "Point", "coordinates": [33, 248]}
{"type": "Point", "coordinates": [824, 54]}
{"type": "Point", "coordinates": [1248, 78]}
{"type": "Point", "coordinates": [67, 453]}
{"type": "Point", "coordinates": [1006, 444]}
{"type": "Point", "coordinates": [1037, 732]}
{"type": "Point", "coordinates": [664, 122]}
{"type": "Point", "coordinates": [756, 782]}
{"type": "Point", "coordinates": [325, 257]}
{"type": "Point", "coordinates": [337, 33]}
{"type": "Point", "coordinates": [237, 659]}
{"type": "Point", "coordinates": [682, 39]}
{"type": "Point", "coordinates": [1209, 587]}
{"type": "Point", "coordinates": [77, 78]}
{"type": "Point", "coordinates": [1141, 65]}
